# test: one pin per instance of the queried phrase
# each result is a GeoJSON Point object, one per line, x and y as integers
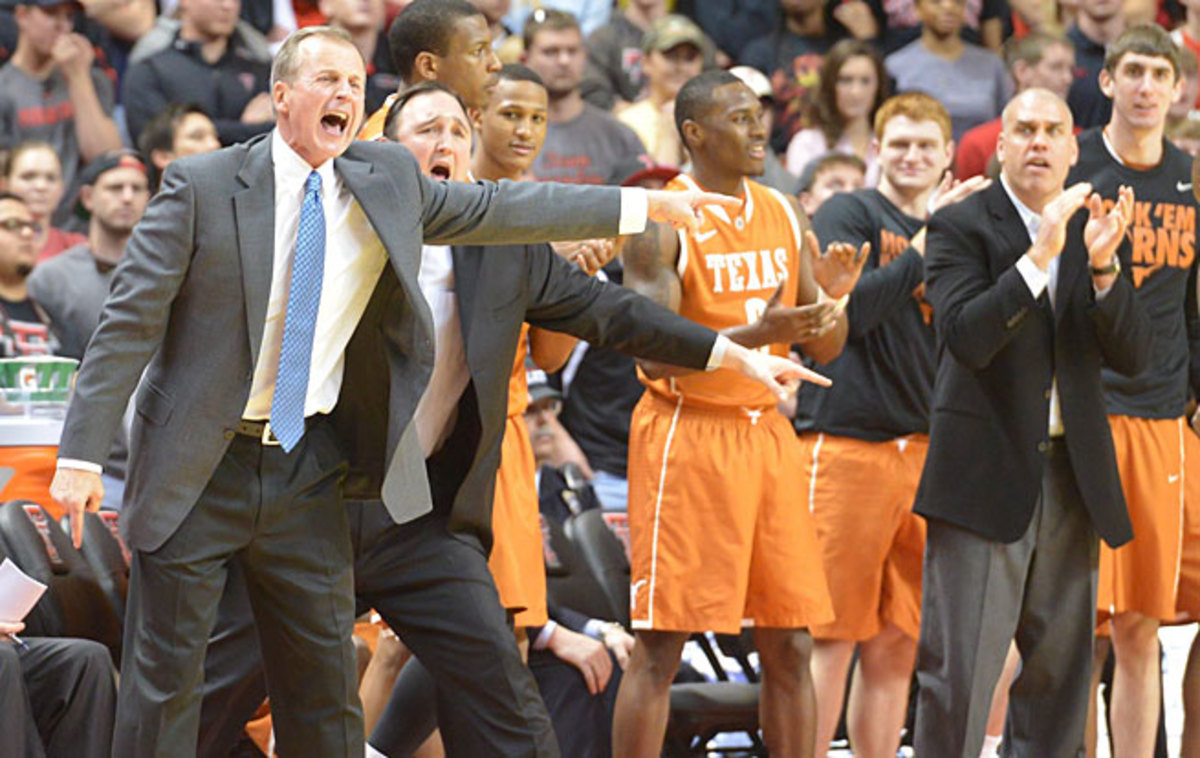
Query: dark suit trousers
{"type": "Point", "coordinates": [979, 595]}
{"type": "Point", "coordinates": [582, 721]}
{"type": "Point", "coordinates": [436, 592]}
{"type": "Point", "coordinates": [57, 699]}
{"type": "Point", "coordinates": [281, 517]}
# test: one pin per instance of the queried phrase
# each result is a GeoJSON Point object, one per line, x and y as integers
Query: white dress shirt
{"type": "Point", "coordinates": [1040, 281]}
{"type": "Point", "coordinates": [354, 259]}
{"type": "Point", "coordinates": [436, 409]}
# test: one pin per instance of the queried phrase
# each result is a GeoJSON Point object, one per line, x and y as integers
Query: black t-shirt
{"type": "Point", "coordinates": [382, 79]}
{"type": "Point", "coordinates": [23, 330]}
{"type": "Point", "coordinates": [179, 74]}
{"type": "Point", "coordinates": [598, 403]}
{"type": "Point", "coordinates": [1163, 267]}
{"type": "Point", "coordinates": [1088, 104]}
{"type": "Point", "coordinates": [883, 380]}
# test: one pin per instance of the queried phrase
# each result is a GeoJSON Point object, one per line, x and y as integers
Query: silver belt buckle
{"type": "Point", "coordinates": [268, 436]}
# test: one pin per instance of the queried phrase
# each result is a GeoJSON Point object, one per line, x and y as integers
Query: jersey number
{"type": "Point", "coordinates": [755, 308]}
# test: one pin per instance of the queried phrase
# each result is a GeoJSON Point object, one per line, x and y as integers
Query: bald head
{"type": "Point", "coordinates": [1037, 146]}
{"type": "Point", "coordinates": [1033, 97]}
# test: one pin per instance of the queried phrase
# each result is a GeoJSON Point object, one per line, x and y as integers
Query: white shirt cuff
{"type": "Point", "coordinates": [543, 639]}
{"type": "Point", "coordinates": [1101, 294]}
{"type": "Point", "coordinates": [1036, 279]}
{"type": "Point", "coordinates": [718, 353]}
{"type": "Point", "coordinates": [594, 628]}
{"type": "Point", "coordinates": [95, 468]}
{"type": "Point", "coordinates": [635, 210]}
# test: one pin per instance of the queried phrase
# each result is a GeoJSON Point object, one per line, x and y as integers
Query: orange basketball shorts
{"type": "Point", "coordinates": [1143, 574]}
{"type": "Point", "coordinates": [720, 534]}
{"type": "Point", "coordinates": [517, 562]}
{"type": "Point", "coordinates": [861, 495]}
{"type": "Point", "coordinates": [1187, 600]}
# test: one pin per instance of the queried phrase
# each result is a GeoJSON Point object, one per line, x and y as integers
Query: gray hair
{"type": "Point", "coordinates": [287, 60]}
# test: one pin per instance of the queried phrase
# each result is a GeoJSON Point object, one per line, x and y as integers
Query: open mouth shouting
{"type": "Point", "coordinates": [335, 123]}
{"type": "Point", "coordinates": [442, 167]}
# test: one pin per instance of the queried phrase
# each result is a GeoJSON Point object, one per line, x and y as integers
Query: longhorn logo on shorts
{"type": "Point", "coordinates": [633, 593]}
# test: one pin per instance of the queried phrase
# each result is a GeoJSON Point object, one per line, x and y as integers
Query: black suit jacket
{"type": "Point", "coordinates": [998, 350]}
{"type": "Point", "coordinates": [498, 288]}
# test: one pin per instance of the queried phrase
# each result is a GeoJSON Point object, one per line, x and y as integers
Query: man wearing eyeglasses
{"type": "Point", "coordinates": [24, 327]}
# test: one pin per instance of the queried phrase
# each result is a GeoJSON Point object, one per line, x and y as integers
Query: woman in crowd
{"type": "Point", "coordinates": [34, 173]}
{"type": "Point", "coordinates": [853, 84]}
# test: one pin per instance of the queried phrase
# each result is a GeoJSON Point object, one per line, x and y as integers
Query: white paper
{"type": "Point", "coordinates": [18, 592]}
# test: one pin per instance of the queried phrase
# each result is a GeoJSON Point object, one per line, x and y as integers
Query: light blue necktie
{"type": "Point", "coordinates": [300, 319]}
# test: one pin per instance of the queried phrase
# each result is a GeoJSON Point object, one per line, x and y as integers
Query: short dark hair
{"type": "Point", "coordinates": [696, 97]}
{"type": "Point", "coordinates": [518, 72]}
{"type": "Point", "coordinates": [404, 97]}
{"type": "Point", "coordinates": [548, 19]}
{"type": "Point", "coordinates": [425, 26]}
{"type": "Point", "coordinates": [159, 132]}
{"type": "Point", "coordinates": [1143, 39]}
{"type": "Point", "coordinates": [817, 166]}
{"type": "Point", "coordinates": [1031, 48]}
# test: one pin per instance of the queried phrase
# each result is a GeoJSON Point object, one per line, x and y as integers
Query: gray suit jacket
{"type": "Point", "coordinates": [190, 299]}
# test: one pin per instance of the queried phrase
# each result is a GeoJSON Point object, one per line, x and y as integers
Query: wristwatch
{"type": "Point", "coordinates": [1113, 267]}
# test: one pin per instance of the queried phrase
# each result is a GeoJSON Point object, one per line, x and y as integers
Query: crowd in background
{"type": "Point", "coordinates": [98, 97]}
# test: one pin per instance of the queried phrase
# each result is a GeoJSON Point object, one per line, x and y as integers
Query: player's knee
{"type": "Point", "coordinates": [1135, 635]}
{"type": "Point", "coordinates": [890, 650]}
{"type": "Point", "coordinates": [657, 656]}
{"type": "Point", "coordinates": [786, 651]}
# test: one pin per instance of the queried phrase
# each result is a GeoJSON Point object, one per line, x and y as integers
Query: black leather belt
{"type": "Point", "coordinates": [260, 430]}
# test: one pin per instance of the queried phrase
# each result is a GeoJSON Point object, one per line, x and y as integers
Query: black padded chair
{"type": "Point", "coordinates": [605, 557]}
{"type": "Point", "coordinates": [570, 581]}
{"type": "Point", "coordinates": [74, 604]}
{"type": "Point", "coordinates": [105, 552]}
{"type": "Point", "coordinates": [699, 711]}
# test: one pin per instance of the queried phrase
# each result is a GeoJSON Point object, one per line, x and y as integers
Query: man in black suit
{"type": "Point", "coordinates": [234, 456]}
{"type": "Point", "coordinates": [1021, 476]}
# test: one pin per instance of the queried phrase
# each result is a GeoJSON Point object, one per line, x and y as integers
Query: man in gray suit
{"type": "Point", "coordinates": [240, 289]}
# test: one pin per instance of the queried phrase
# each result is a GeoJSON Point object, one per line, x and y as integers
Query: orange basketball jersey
{"type": "Point", "coordinates": [372, 128]}
{"type": "Point", "coordinates": [518, 384]}
{"type": "Point", "coordinates": [729, 269]}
